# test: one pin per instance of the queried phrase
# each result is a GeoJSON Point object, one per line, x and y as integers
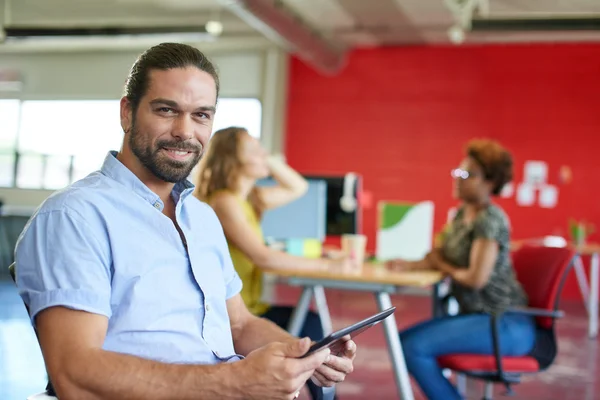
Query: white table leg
{"type": "Point", "coordinates": [582, 281]}
{"type": "Point", "coordinates": [461, 384]}
{"type": "Point", "coordinates": [299, 314]}
{"type": "Point", "coordinates": [593, 298]}
{"type": "Point", "coordinates": [397, 355]}
{"type": "Point", "coordinates": [323, 310]}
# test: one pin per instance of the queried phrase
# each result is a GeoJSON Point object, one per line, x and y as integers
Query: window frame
{"type": "Point", "coordinates": [255, 130]}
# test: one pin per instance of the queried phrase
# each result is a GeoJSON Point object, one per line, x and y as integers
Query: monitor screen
{"type": "Point", "coordinates": [340, 222]}
{"type": "Point", "coordinates": [304, 218]}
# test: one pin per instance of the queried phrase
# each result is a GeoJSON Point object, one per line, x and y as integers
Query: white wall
{"type": "Point", "coordinates": [259, 72]}
{"type": "Point", "coordinates": [101, 75]}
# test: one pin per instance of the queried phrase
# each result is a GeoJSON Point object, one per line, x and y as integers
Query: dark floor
{"type": "Point", "coordinates": [574, 376]}
{"type": "Point", "coordinates": [571, 378]}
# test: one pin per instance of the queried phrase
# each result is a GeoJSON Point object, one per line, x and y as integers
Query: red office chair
{"type": "Point", "coordinates": [541, 271]}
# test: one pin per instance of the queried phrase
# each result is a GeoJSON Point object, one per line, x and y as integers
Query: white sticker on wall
{"type": "Point", "coordinates": [535, 173]}
{"type": "Point", "coordinates": [548, 196]}
{"type": "Point", "coordinates": [525, 194]}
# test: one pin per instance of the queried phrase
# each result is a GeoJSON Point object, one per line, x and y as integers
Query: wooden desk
{"type": "Point", "coordinates": [372, 278]}
{"type": "Point", "coordinates": [371, 273]}
{"type": "Point", "coordinates": [589, 290]}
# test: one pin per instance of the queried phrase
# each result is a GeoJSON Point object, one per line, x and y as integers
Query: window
{"type": "Point", "coordinates": [9, 126]}
{"type": "Point", "coordinates": [245, 113]}
{"type": "Point", "coordinates": [55, 142]}
{"type": "Point", "coordinates": [61, 141]}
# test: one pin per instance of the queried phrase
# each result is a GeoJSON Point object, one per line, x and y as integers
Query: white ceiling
{"type": "Point", "coordinates": [100, 13]}
{"type": "Point", "coordinates": [352, 23]}
{"type": "Point", "coordinates": [393, 22]}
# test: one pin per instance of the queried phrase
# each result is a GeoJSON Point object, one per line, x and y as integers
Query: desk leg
{"type": "Point", "coordinates": [393, 341]}
{"type": "Point", "coordinates": [323, 310]}
{"type": "Point", "coordinates": [325, 317]}
{"type": "Point", "coordinates": [593, 299]}
{"type": "Point", "coordinates": [437, 305]}
{"type": "Point", "coordinates": [299, 314]}
{"type": "Point", "coordinates": [582, 282]}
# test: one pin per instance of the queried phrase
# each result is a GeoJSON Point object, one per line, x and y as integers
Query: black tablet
{"type": "Point", "coordinates": [333, 341]}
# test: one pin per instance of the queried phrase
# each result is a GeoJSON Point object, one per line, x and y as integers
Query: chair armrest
{"type": "Point", "coordinates": [536, 312]}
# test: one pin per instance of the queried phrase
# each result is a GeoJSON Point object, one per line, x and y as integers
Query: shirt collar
{"type": "Point", "coordinates": [113, 168]}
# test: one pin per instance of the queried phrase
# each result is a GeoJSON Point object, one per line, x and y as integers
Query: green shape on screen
{"type": "Point", "coordinates": [392, 213]}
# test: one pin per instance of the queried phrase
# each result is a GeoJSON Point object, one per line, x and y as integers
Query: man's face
{"type": "Point", "coordinates": [173, 122]}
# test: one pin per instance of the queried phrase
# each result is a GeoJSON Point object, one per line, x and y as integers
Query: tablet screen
{"type": "Point", "coordinates": [334, 341]}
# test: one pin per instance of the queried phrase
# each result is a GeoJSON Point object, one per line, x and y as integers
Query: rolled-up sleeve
{"type": "Point", "coordinates": [63, 261]}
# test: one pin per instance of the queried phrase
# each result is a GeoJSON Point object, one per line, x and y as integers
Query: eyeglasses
{"type": "Point", "coordinates": [462, 174]}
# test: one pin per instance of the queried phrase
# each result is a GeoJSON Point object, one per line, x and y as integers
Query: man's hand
{"type": "Point", "coordinates": [276, 370]}
{"type": "Point", "coordinates": [336, 366]}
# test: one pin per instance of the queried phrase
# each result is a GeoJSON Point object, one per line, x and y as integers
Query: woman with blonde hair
{"type": "Point", "coordinates": [226, 180]}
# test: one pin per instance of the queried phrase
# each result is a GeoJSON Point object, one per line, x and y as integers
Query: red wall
{"type": "Point", "coordinates": [401, 117]}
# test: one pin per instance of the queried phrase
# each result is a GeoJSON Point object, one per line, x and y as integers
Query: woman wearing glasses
{"type": "Point", "coordinates": [475, 254]}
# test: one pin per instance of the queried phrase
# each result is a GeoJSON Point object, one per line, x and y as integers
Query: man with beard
{"type": "Point", "coordinates": [128, 279]}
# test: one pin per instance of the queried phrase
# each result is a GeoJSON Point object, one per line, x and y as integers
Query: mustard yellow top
{"type": "Point", "coordinates": [251, 276]}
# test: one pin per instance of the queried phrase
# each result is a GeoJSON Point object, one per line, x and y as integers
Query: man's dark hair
{"type": "Point", "coordinates": [163, 57]}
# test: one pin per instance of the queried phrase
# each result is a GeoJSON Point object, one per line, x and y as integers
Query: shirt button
{"type": "Point", "coordinates": [157, 205]}
{"type": "Point", "coordinates": [207, 307]}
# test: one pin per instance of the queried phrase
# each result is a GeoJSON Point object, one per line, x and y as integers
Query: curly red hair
{"type": "Point", "coordinates": [495, 160]}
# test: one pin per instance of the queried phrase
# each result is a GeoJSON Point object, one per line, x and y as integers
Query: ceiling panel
{"type": "Point", "coordinates": [358, 39]}
{"type": "Point", "coordinates": [121, 13]}
{"type": "Point", "coordinates": [355, 23]}
{"type": "Point", "coordinates": [425, 12]}
{"type": "Point", "coordinates": [533, 37]}
{"type": "Point", "coordinates": [528, 8]}
{"type": "Point", "coordinates": [383, 19]}
{"type": "Point", "coordinates": [322, 14]}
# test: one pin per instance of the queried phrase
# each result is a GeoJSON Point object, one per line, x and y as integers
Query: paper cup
{"type": "Point", "coordinates": [354, 247]}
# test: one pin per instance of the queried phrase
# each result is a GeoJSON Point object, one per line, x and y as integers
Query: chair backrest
{"type": "Point", "coordinates": [49, 388]}
{"type": "Point", "coordinates": [542, 271]}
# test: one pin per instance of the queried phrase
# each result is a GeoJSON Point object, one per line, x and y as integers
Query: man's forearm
{"type": "Point", "coordinates": [109, 375]}
{"type": "Point", "coordinates": [258, 332]}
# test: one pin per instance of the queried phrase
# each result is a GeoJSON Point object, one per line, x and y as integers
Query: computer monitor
{"type": "Point", "coordinates": [340, 222]}
{"type": "Point", "coordinates": [304, 218]}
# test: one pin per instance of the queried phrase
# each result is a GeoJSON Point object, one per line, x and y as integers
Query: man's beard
{"type": "Point", "coordinates": [160, 165]}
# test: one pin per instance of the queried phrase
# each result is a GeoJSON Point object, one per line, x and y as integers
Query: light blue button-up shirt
{"type": "Point", "coordinates": [103, 245]}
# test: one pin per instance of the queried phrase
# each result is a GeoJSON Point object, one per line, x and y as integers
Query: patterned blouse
{"type": "Point", "coordinates": [502, 290]}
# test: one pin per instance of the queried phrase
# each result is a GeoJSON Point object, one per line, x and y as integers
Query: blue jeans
{"type": "Point", "coordinates": [468, 333]}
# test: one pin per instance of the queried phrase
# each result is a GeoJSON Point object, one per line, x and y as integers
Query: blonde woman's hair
{"type": "Point", "coordinates": [221, 167]}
